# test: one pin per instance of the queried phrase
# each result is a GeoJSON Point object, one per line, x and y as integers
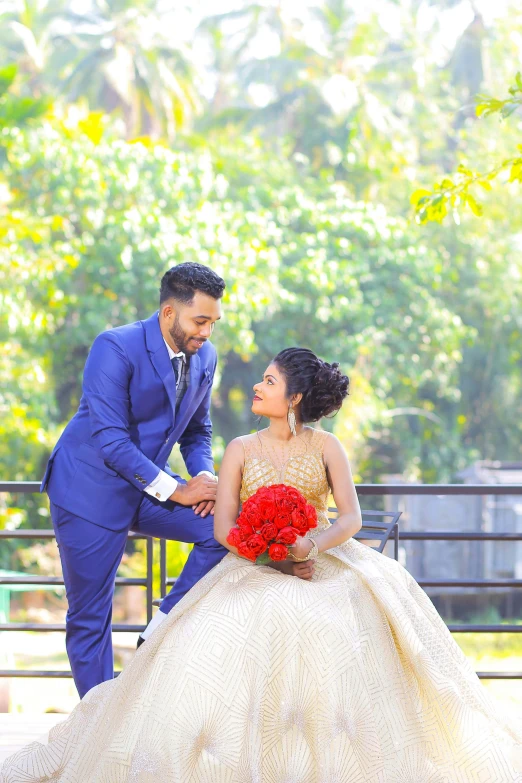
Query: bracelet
{"type": "Point", "coordinates": [314, 552]}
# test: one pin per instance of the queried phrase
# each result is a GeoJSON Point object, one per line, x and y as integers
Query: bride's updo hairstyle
{"type": "Point", "coordinates": [322, 385]}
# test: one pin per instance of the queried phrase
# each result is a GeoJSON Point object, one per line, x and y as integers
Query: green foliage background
{"type": "Point", "coordinates": [290, 172]}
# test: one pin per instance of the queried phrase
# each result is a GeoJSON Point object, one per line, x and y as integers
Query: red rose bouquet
{"type": "Point", "coordinates": [271, 521]}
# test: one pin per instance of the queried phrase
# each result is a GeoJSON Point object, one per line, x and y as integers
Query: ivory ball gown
{"type": "Point", "coordinates": [259, 677]}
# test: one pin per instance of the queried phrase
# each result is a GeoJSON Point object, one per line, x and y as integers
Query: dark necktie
{"type": "Point", "coordinates": [176, 364]}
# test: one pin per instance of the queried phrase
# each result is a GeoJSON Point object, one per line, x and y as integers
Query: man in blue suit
{"type": "Point", "coordinates": [146, 386]}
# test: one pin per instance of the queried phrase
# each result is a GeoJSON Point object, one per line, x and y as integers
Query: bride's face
{"type": "Point", "coordinates": [270, 394]}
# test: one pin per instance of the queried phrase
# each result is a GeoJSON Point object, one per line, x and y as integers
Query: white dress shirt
{"type": "Point", "coordinates": [163, 486]}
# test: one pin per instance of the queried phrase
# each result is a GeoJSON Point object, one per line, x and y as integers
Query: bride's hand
{"type": "Point", "coordinates": [301, 548]}
{"type": "Point", "coordinates": [301, 570]}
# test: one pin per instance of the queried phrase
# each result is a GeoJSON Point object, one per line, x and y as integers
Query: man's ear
{"type": "Point", "coordinates": [167, 311]}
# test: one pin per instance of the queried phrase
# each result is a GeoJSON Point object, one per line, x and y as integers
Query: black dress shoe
{"type": "Point", "coordinates": [140, 641]}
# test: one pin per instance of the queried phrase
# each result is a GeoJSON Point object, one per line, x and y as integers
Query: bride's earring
{"type": "Point", "coordinates": [291, 420]}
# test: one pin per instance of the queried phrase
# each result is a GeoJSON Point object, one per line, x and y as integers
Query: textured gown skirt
{"type": "Point", "coordinates": [259, 677]}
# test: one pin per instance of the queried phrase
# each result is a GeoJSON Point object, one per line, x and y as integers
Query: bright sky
{"type": "Point", "coordinates": [452, 21]}
{"type": "Point", "coordinates": [185, 15]}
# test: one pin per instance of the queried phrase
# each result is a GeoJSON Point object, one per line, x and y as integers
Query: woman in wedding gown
{"type": "Point", "coordinates": [345, 675]}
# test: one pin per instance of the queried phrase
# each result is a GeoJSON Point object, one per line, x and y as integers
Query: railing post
{"type": "Point", "coordinates": [163, 567]}
{"type": "Point", "coordinates": [150, 563]}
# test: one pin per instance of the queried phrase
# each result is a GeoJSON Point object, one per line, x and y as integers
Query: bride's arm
{"type": "Point", "coordinates": [226, 510]}
{"type": "Point", "coordinates": [349, 520]}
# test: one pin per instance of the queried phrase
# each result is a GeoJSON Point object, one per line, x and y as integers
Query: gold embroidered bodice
{"type": "Point", "coordinates": [298, 463]}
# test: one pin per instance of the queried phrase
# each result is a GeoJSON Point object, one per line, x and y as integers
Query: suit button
{"type": "Point", "coordinates": [136, 476]}
{"type": "Point", "coordinates": [167, 440]}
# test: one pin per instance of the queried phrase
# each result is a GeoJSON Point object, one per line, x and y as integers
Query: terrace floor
{"type": "Point", "coordinates": [18, 730]}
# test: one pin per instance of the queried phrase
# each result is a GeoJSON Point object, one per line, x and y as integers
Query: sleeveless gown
{"type": "Point", "coordinates": [260, 677]}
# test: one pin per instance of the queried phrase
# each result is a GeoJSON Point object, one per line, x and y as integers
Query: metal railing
{"type": "Point", "coordinates": [44, 581]}
{"type": "Point", "coordinates": [362, 490]}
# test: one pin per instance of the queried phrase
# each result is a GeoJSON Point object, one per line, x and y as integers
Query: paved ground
{"type": "Point", "coordinates": [18, 730]}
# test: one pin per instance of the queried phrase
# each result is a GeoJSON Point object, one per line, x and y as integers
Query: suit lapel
{"type": "Point", "coordinates": [159, 357]}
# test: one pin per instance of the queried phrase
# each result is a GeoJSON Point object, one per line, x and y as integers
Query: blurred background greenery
{"type": "Point", "coordinates": [280, 143]}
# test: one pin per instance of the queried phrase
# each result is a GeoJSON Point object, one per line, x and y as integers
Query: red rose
{"type": "Point", "coordinates": [311, 515]}
{"type": "Point", "coordinates": [299, 501]}
{"type": "Point", "coordinates": [234, 537]}
{"type": "Point", "coordinates": [243, 520]}
{"type": "Point", "coordinates": [283, 519]}
{"type": "Point", "coordinates": [256, 544]}
{"type": "Point", "coordinates": [299, 521]}
{"type": "Point", "coordinates": [285, 504]}
{"type": "Point", "coordinates": [245, 533]}
{"type": "Point", "coordinates": [252, 511]}
{"type": "Point", "coordinates": [266, 492]}
{"type": "Point", "coordinates": [244, 551]}
{"type": "Point", "coordinates": [268, 531]}
{"type": "Point", "coordinates": [267, 508]}
{"type": "Point", "coordinates": [294, 495]}
{"type": "Point", "coordinates": [250, 503]}
{"type": "Point", "coordinates": [269, 493]}
{"type": "Point", "coordinates": [277, 552]}
{"type": "Point", "coordinates": [288, 536]}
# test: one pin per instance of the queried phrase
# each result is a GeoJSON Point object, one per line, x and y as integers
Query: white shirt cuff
{"type": "Point", "coordinates": [162, 487]}
{"type": "Point", "coordinates": [158, 618]}
{"type": "Point", "coordinates": [207, 473]}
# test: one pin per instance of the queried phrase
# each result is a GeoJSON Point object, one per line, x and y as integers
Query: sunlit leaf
{"type": "Point", "coordinates": [418, 196]}
{"type": "Point", "coordinates": [93, 126]}
{"type": "Point", "coordinates": [476, 208]}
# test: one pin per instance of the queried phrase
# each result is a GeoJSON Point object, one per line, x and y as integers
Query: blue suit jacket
{"type": "Point", "coordinates": [126, 425]}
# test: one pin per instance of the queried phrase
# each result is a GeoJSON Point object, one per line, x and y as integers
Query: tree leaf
{"type": "Point", "coordinates": [7, 77]}
{"type": "Point", "coordinates": [516, 171]}
{"type": "Point", "coordinates": [93, 126]}
{"type": "Point", "coordinates": [418, 196]}
{"type": "Point", "coordinates": [476, 208]}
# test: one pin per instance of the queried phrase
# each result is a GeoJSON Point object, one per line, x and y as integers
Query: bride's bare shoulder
{"type": "Point", "coordinates": [238, 446]}
{"type": "Point", "coordinates": [251, 437]}
{"type": "Point", "coordinates": [333, 449]}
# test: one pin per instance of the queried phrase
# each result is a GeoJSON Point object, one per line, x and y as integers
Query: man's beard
{"type": "Point", "coordinates": [180, 339]}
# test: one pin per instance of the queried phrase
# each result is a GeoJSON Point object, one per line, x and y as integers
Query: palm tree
{"type": "Point", "coordinates": [311, 92]}
{"type": "Point", "coordinates": [27, 32]}
{"type": "Point", "coordinates": [242, 75]}
{"type": "Point", "coordinates": [121, 55]}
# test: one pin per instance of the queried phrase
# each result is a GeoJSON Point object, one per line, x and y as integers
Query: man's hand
{"type": "Point", "coordinates": [198, 491]}
{"type": "Point", "coordinates": [204, 508]}
{"type": "Point", "coordinates": [304, 570]}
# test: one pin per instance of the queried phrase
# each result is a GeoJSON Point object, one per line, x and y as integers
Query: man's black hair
{"type": "Point", "coordinates": [182, 281]}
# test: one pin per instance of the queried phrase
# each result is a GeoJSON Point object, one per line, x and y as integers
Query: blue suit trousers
{"type": "Point", "coordinates": [90, 556]}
